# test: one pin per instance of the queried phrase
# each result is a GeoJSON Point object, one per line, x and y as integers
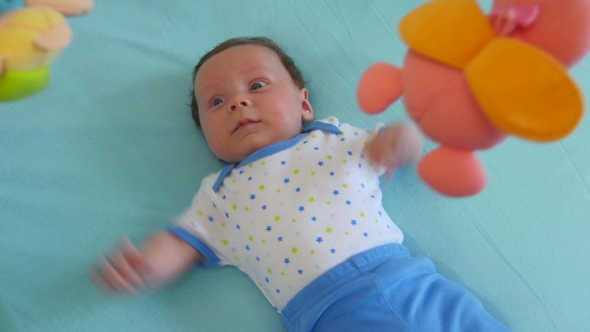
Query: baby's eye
{"type": "Point", "coordinates": [217, 101]}
{"type": "Point", "coordinates": [257, 85]}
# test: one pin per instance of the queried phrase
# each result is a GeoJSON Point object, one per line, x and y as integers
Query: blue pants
{"type": "Point", "coordinates": [385, 289]}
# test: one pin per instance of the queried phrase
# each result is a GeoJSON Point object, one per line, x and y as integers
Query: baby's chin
{"type": "Point", "coordinates": [248, 146]}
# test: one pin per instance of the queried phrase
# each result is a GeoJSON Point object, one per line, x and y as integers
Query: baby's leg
{"type": "Point", "coordinates": [406, 294]}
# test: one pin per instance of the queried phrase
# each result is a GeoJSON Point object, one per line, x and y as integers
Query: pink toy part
{"type": "Point", "coordinates": [562, 27]}
{"type": "Point", "coordinates": [55, 39]}
{"type": "Point", "coordinates": [439, 100]}
{"type": "Point", "coordinates": [379, 86]}
{"type": "Point", "coordinates": [436, 91]}
{"type": "Point", "coordinates": [452, 172]}
{"type": "Point", "coordinates": [507, 19]}
{"type": "Point", "coordinates": [66, 7]}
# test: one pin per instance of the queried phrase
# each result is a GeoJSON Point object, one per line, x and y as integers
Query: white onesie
{"type": "Point", "coordinates": [292, 211]}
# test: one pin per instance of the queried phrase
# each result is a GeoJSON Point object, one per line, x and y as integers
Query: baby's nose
{"type": "Point", "coordinates": [235, 105]}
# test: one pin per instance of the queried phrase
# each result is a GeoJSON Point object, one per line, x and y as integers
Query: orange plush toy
{"type": "Point", "coordinates": [469, 80]}
{"type": "Point", "coordinates": [30, 40]}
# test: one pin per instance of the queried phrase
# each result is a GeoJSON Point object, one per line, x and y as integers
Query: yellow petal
{"type": "Point", "coordinates": [525, 91]}
{"type": "Point", "coordinates": [449, 31]}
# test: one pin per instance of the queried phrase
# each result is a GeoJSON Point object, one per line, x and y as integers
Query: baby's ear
{"type": "Point", "coordinates": [307, 110]}
{"type": "Point", "coordinates": [379, 86]}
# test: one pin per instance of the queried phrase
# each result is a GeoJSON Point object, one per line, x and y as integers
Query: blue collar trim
{"type": "Point", "coordinates": [275, 148]}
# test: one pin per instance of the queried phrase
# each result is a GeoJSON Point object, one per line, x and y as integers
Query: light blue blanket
{"type": "Point", "coordinates": [109, 149]}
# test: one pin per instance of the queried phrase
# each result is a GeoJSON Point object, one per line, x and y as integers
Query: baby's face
{"type": "Point", "coordinates": [247, 101]}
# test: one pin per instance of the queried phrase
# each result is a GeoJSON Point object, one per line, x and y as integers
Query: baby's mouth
{"type": "Point", "coordinates": [245, 123]}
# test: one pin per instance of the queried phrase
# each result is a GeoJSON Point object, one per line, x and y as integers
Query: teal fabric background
{"type": "Point", "coordinates": [109, 149]}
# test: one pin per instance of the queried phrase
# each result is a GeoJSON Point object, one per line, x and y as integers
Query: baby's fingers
{"type": "Point", "coordinates": [132, 255]}
{"type": "Point", "coordinates": [110, 279]}
{"type": "Point", "coordinates": [379, 152]}
{"type": "Point", "coordinates": [129, 263]}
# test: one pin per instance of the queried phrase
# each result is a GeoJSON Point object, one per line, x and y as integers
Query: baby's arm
{"type": "Point", "coordinates": [163, 258]}
{"type": "Point", "coordinates": [394, 146]}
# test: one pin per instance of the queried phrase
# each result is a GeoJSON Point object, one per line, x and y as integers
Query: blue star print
{"type": "Point", "coordinates": [319, 217]}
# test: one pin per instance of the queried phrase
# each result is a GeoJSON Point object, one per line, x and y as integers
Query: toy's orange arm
{"type": "Point", "coordinates": [379, 86]}
{"type": "Point", "coordinates": [66, 7]}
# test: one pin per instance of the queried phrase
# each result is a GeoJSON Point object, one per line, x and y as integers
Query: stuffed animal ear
{"type": "Point", "coordinates": [525, 91]}
{"type": "Point", "coordinates": [450, 31]}
{"type": "Point", "coordinates": [379, 86]}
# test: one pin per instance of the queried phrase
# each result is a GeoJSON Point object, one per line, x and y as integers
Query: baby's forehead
{"type": "Point", "coordinates": [244, 57]}
{"type": "Point", "coordinates": [240, 60]}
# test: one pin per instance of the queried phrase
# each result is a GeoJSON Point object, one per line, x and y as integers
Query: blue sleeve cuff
{"type": "Point", "coordinates": [199, 245]}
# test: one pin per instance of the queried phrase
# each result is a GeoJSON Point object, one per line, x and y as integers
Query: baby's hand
{"type": "Point", "coordinates": [394, 146]}
{"type": "Point", "coordinates": [126, 270]}
{"type": "Point", "coordinates": [163, 258]}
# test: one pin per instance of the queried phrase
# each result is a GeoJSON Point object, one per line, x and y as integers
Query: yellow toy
{"type": "Point", "coordinates": [31, 38]}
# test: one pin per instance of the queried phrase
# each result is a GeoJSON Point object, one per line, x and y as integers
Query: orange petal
{"type": "Point", "coordinates": [449, 31]}
{"type": "Point", "coordinates": [525, 91]}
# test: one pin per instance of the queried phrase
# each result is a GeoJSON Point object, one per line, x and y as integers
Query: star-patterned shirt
{"type": "Point", "coordinates": [292, 211]}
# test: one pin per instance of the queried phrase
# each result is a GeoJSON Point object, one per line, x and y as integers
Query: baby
{"type": "Point", "coordinates": [297, 209]}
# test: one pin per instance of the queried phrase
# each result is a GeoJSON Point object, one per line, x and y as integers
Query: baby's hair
{"type": "Point", "coordinates": [287, 61]}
